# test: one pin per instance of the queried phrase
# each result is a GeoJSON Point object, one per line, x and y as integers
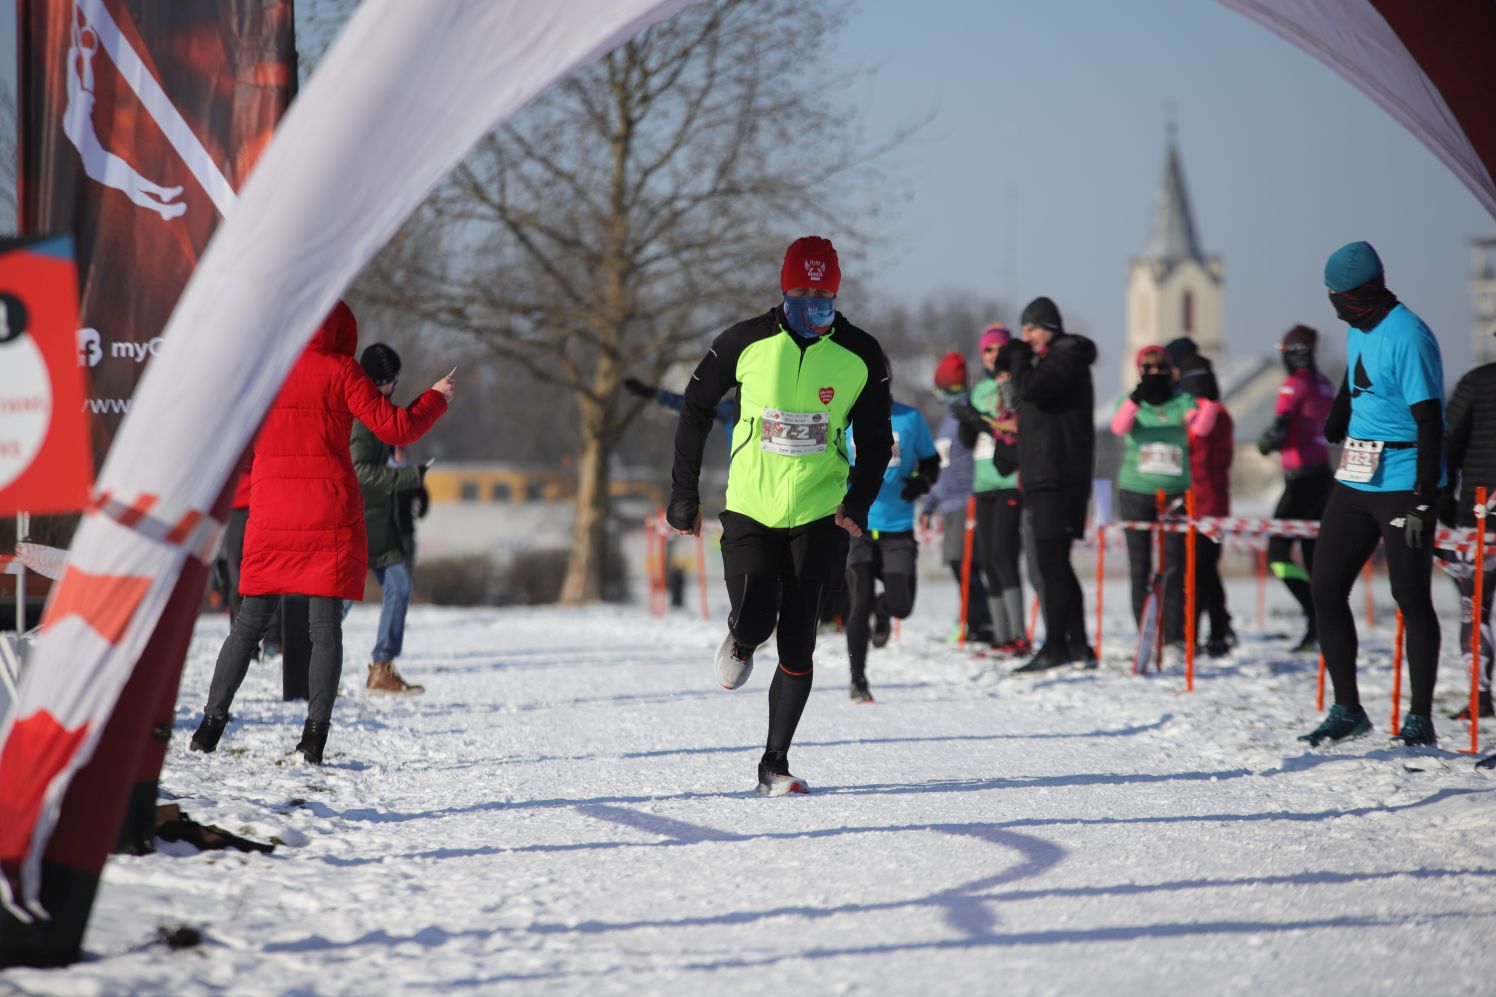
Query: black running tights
{"type": "Point", "coordinates": [1353, 522]}
{"type": "Point", "coordinates": [897, 601]}
{"type": "Point", "coordinates": [759, 602]}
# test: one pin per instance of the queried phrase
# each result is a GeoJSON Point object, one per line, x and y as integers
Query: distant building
{"type": "Point", "coordinates": [1483, 301]}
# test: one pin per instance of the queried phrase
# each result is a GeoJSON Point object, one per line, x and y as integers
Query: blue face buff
{"type": "Point", "coordinates": [809, 317]}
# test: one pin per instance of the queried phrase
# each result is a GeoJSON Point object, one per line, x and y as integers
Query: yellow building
{"type": "Point", "coordinates": [514, 484]}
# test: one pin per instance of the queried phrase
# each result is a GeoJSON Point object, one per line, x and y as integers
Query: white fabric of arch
{"type": "Point", "coordinates": [404, 93]}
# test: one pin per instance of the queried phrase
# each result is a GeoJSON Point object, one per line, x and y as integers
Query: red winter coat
{"type": "Point", "coordinates": [1210, 464]}
{"type": "Point", "coordinates": [305, 534]}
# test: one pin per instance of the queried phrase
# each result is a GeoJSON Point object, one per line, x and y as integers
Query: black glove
{"type": "Point", "coordinates": [1449, 509]}
{"type": "Point", "coordinates": [1267, 442]}
{"type": "Point", "coordinates": [1419, 520]}
{"type": "Point", "coordinates": [681, 512]}
{"type": "Point", "coordinates": [424, 467]}
{"type": "Point", "coordinates": [914, 486]}
{"type": "Point", "coordinates": [634, 386]}
{"type": "Point", "coordinates": [1020, 356]}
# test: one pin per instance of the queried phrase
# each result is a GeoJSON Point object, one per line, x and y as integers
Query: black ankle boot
{"type": "Point", "coordinates": [208, 733]}
{"type": "Point", "coordinates": [313, 740]}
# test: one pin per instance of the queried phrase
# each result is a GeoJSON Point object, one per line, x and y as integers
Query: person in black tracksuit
{"type": "Point", "coordinates": [1389, 414]}
{"type": "Point", "coordinates": [1470, 455]}
{"type": "Point", "coordinates": [1050, 384]}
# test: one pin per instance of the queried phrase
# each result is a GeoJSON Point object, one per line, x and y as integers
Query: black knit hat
{"type": "Point", "coordinates": [1300, 337]}
{"type": "Point", "coordinates": [1179, 349]}
{"type": "Point", "coordinates": [381, 363]}
{"type": "Point", "coordinates": [1045, 314]}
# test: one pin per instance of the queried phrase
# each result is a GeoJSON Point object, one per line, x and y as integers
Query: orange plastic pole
{"type": "Point", "coordinates": [1371, 608]}
{"type": "Point", "coordinates": [897, 631]}
{"type": "Point", "coordinates": [1262, 589]}
{"type": "Point", "coordinates": [1100, 578]}
{"type": "Point", "coordinates": [1189, 593]}
{"type": "Point", "coordinates": [1160, 503]}
{"type": "Point", "coordinates": [663, 560]}
{"type": "Point", "coordinates": [1397, 656]}
{"type": "Point", "coordinates": [1033, 618]}
{"type": "Point", "coordinates": [649, 558]}
{"type": "Point", "coordinates": [706, 609]}
{"type": "Point", "coordinates": [1319, 697]}
{"type": "Point", "coordinates": [971, 525]}
{"type": "Point", "coordinates": [1475, 621]}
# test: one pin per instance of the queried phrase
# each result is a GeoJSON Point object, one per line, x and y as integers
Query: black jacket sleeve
{"type": "Point", "coordinates": [1338, 422]}
{"type": "Point", "coordinates": [1429, 415]}
{"type": "Point", "coordinates": [1457, 425]}
{"type": "Point", "coordinates": [870, 416]}
{"type": "Point", "coordinates": [1041, 383]}
{"type": "Point", "coordinates": [713, 378]}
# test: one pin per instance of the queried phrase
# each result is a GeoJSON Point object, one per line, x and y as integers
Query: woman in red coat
{"type": "Point", "coordinates": [305, 534]}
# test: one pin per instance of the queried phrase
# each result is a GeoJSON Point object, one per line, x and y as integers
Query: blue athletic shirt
{"type": "Point", "coordinates": [912, 443]}
{"type": "Point", "coordinates": [1391, 368]}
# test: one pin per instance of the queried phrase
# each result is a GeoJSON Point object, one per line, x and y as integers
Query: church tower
{"type": "Point", "coordinates": [1173, 289]}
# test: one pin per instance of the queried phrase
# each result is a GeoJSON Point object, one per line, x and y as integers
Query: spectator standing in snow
{"type": "Point", "coordinates": [233, 554]}
{"type": "Point", "coordinates": [1210, 476]}
{"type": "Point", "coordinates": [888, 552]}
{"type": "Point", "coordinates": [1470, 454]}
{"type": "Point", "coordinates": [381, 486]}
{"type": "Point", "coordinates": [306, 526]}
{"type": "Point", "coordinates": [1297, 433]}
{"type": "Point", "coordinates": [947, 498]}
{"type": "Point", "coordinates": [804, 375]}
{"type": "Point", "coordinates": [1051, 389]}
{"type": "Point", "coordinates": [1390, 414]}
{"type": "Point", "coordinates": [988, 425]}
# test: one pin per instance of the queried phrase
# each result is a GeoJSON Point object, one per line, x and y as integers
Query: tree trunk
{"type": "Point", "coordinates": [589, 537]}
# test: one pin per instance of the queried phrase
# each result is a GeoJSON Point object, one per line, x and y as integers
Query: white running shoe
{"type": "Point", "coordinates": [779, 783]}
{"type": "Point", "coordinates": [734, 664]}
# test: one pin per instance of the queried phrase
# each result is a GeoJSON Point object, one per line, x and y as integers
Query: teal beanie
{"type": "Point", "coordinates": [1351, 266]}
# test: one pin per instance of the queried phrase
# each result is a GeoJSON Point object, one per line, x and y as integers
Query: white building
{"type": "Point", "coordinates": [1483, 301]}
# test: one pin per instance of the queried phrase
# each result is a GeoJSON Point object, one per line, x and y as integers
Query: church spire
{"type": "Point", "coordinates": [1173, 238]}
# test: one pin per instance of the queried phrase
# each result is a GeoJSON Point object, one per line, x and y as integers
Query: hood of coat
{"type": "Point", "coordinates": [1074, 346]}
{"type": "Point", "coordinates": [338, 332]}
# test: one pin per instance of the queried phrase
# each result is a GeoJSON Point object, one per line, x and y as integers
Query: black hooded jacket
{"type": "Point", "coordinates": [1470, 437]}
{"type": "Point", "coordinates": [1056, 414]}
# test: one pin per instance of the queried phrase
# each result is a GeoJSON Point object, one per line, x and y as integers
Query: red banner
{"type": "Point", "coordinates": [138, 122]}
{"type": "Point", "coordinates": [44, 464]}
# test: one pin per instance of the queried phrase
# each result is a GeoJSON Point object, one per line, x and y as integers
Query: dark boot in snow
{"type": "Point", "coordinates": [1417, 731]}
{"type": "Point", "coordinates": [313, 740]}
{"type": "Point", "coordinates": [882, 624]}
{"type": "Point", "coordinates": [1484, 706]}
{"type": "Point", "coordinates": [207, 734]}
{"type": "Point", "coordinates": [1338, 725]}
{"type": "Point", "coordinates": [859, 690]}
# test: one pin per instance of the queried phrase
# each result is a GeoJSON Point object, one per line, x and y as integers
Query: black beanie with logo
{"type": "Point", "coordinates": [381, 363]}
{"type": "Point", "coordinates": [1043, 313]}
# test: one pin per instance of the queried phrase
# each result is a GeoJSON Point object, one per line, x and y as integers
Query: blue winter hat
{"type": "Point", "coordinates": [1351, 266]}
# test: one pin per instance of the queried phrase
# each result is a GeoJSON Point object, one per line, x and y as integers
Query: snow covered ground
{"type": "Point", "coordinates": [569, 809]}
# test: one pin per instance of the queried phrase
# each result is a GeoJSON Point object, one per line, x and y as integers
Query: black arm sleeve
{"type": "Point", "coordinates": [1430, 418]}
{"type": "Point", "coordinates": [713, 378]}
{"type": "Point", "coordinates": [1338, 422]}
{"type": "Point", "coordinates": [1049, 381]}
{"type": "Point", "coordinates": [929, 469]}
{"type": "Point", "coordinates": [874, 433]}
{"type": "Point", "coordinates": [1457, 427]}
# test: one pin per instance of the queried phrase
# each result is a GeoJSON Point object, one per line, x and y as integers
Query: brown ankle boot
{"type": "Point", "coordinates": [384, 678]}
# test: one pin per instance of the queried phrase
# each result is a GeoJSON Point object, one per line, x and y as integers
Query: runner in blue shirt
{"type": "Point", "coordinates": [1389, 415]}
{"type": "Point", "coordinates": [888, 550]}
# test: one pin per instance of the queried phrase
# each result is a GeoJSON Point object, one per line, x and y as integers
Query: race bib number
{"type": "Point", "coordinates": [984, 447]}
{"type": "Point", "coordinates": [1359, 460]}
{"type": "Point", "coordinates": [943, 448]}
{"type": "Point", "coordinates": [793, 434]}
{"type": "Point", "coordinates": [898, 455]}
{"type": "Point", "coordinates": [1165, 459]}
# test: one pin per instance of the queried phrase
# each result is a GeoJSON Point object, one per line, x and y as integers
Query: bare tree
{"type": "Point", "coordinates": [631, 212]}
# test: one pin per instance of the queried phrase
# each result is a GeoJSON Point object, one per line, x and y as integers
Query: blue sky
{"type": "Point", "coordinates": [1038, 173]}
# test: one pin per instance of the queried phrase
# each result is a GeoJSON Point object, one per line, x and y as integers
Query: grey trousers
{"type": "Point", "coordinates": [326, 619]}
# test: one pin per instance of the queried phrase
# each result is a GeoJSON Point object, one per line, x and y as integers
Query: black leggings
{"type": "Point", "coordinates": [1140, 548]}
{"type": "Point", "coordinates": [999, 543]}
{"type": "Point", "coordinates": [1353, 522]}
{"type": "Point", "coordinates": [1208, 587]}
{"type": "Point", "coordinates": [326, 620]}
{"type": "Point", "coordinates": [897, 601]}
{"type": "Point", "coordinates": [1304, 497]}
{"type": "Point", "coordinates": [759, 601]}
{"type": "Point", "coordinates": [1064, 624]}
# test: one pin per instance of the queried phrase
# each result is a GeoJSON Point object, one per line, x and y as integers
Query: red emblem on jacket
{"type": "Point", "coordinates": [827, 394]}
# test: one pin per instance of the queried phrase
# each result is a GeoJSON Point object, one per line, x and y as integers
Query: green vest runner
{"type": "Point", "coordinates": [1158, 448]}
{"type": "Point", "coordinates": [986, 398]}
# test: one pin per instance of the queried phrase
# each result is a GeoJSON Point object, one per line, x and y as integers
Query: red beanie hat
{"type": "Point", "coordinates": [1155, 354]}
{"type": "Point", "coordinates": [810, 262]}
{"type": "Point", "coordinates": [950, 372]}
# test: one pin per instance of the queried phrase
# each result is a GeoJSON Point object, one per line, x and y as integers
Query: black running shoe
{"type": "Point", "coordinates": [1417, 731]}
{"type": "Point", "coordinates": [1308, 644]}
{"type": "Point", "coordinates": [208, 732]}
{"type": "Point", "coordinates": [1339, 724]}
{"type": "Point", "coordinates": [859, 692]}
{"type": "Point", "coordinates": [882, 628]}
{"type": "Point", "coordinates": [1485, 709]}
{"type": "Point", "coordinates": [1042, 662]}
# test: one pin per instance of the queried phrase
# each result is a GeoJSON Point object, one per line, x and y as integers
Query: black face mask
{"type": "Point", "coordinates": [1156, 388]}
{"type": "Point", "coordinates": [1297, 360]}
{"type": "Point", "coordinates": [1364, 307]}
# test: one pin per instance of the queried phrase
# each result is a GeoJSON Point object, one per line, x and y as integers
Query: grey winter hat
{"type": "Point", "coordinates": [381, 363]}
{"type": "Point", "coordinates": [1043, 313]}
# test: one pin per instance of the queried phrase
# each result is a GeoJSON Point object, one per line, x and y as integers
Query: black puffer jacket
{"type": "Point", "coordinates": [1470, 436]}
{"type": "Point", "coordinates": [1056, 417]}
